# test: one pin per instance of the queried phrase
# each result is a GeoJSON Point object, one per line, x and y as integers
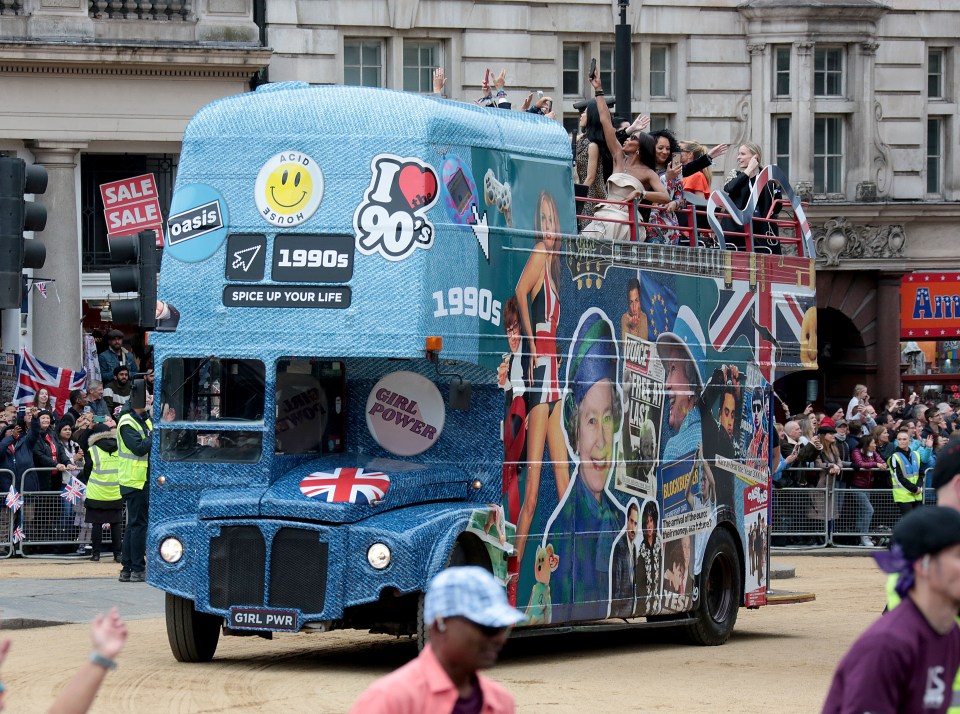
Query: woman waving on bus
{"type": "Point", "coordinates": [538, 298]}
{"type": "Point", "coordinates": [633, 174]}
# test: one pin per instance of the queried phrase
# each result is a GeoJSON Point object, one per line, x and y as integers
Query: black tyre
{"type": "Point", "coordinates": [458, 556]}
{"type": "Point", "coordinates": [716, 610]}
{"type": "Point", "coordinates": [193, 635]}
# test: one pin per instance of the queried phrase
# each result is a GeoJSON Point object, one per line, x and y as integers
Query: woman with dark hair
{"type": "Point", "coordinates": [49, 453]}
{"type": "Point", "coordinates": [593, 159]}
{"type": "Point", "coordinates": [667, 163]}
{"type": "Point", "coordinates": [649, 576]}
{"type": "Point", "coordinates": [632, 175]}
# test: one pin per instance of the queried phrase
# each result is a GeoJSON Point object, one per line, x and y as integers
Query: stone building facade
{"type": "Point", "coordinates": [855, 99]}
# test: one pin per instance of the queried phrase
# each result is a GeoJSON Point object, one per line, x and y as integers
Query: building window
{"type": "Point", "coordinates": [828, 72]}
{"type": "Point", "coordinates": [606, 66]}
{"type": "Point", "coordinates": [659, 122]}
{"type": "Point", "coordinates": [828, 155]}
{"type": "Point", "coordinates": [419, 61]}
{"type": "Point", "coordinates": [571, 70]}
{"type": "Point", "coordinates": [934, 155]}
{"type": "Point", "coordinates": [781, 71]}
{"type": "Point", "coordinates": [659, 71]}
{"type": "Point", "coordinates": [935, 74]}
{"type": "Point", "coordinates": [363, 63]}
{"type": "Point", "coordinates": [781, 143]}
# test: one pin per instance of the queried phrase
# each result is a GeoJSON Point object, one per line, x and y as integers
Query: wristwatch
{"type": "Point", "coordinates": [101, 661]}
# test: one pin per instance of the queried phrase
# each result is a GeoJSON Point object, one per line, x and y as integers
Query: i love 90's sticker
{"type": "Point", "coordinates": [288, 189]}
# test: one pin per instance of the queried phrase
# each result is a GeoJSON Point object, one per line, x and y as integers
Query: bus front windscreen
{"type": "Point", "coordinates": [207, 399]}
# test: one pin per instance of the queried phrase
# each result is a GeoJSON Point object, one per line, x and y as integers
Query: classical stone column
{"type": "Point", "coordinates": [56, 324]}
{"type": "Point", "coordinates": [801, 167]}
{"type": "Point", "coordinates": [888, 346]}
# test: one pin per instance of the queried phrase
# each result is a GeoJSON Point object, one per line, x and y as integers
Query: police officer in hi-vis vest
{"type": "Point", "coordinates": [905, 475]}
{"type": "Point", "coordinates": [103, 501]}
{"type": "Point", "coordinates": [135, 430]}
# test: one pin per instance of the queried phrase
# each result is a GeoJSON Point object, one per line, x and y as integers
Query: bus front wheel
{"type": "Point", "coordinates": [193, 635]}
{"type": "Point", "coordinates": [719, 602]}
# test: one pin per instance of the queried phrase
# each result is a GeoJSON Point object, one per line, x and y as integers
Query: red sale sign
{"type": "Point", "coordinates": [132, 205]}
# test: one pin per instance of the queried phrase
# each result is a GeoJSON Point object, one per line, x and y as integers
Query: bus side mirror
{"type": "Point", "coordinates": [461, 392]}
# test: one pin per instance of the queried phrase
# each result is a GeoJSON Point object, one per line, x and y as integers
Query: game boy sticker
{"type": "Point", "coordinates": [405, 413]}
{"type": "Point", "coordinates": [198, 222]}
{"type": "Point", "coordinates": [392, 219]}
{"type": "Point", "coordinates": [288, 189]}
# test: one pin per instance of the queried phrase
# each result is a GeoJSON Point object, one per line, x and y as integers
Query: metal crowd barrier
{"type": "Point", "coordinates": [808, 516]}
{"type": "Point", "coordinates": [51, 523]}
{"type": "Point", "coordinates": [6, 518]}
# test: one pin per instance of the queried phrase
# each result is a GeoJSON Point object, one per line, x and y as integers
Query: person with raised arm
{"type": "Point", "coordinates": [633, 176]}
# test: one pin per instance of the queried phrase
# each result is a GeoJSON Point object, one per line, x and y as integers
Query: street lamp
{"type": "Point", "coordinates": [622, 84]}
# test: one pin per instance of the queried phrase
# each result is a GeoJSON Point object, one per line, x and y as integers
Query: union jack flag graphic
{"type": "Point", "coordinates": [58, 381]}
{"type": "Point", "coordinates": [74, 490]}
{"type": "Point", "coordinates": [14, 500]}
{"type": "Point", "coordinates": [346, 485]}
{"type": "Point", "coordinates": [733, 316]}
{"type": "Point", "coordinates": [18, 534]}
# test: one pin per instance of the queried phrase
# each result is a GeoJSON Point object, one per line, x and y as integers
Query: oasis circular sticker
{"type": "Point", "coordinates": [405, 413]}
{"type": "Point", "coordinates": [197, 224]}
{"type": "Point", "coordinates": [289, 188]}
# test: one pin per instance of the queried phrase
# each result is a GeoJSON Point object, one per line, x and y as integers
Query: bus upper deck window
{"type": "Point", "coordinates": [310, 402]}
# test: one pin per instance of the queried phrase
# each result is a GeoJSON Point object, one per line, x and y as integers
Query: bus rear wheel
{"type": "Point", "coordinates": [719, 602]}
{"type": "Point", "coordinates": [193, 635]}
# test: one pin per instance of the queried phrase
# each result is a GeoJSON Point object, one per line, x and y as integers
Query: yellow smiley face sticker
{"type": "Point", "coordinates": [288, 189]}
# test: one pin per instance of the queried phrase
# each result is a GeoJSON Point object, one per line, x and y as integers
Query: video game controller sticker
{"type": "Point", "coordinates": [498, 194]}
{"type": "Point", "coordinates": [392, 218]}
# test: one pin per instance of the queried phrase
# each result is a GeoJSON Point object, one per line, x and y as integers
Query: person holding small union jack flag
{"type": "Point", "coordinates": [16, 452]}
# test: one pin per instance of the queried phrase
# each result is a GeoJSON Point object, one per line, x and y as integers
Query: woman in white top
{"type": "Point", "coordinates": [633, 176]}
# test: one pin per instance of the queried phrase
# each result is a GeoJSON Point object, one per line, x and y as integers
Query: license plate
{"type": "Point", "coordinates": [264, 618]}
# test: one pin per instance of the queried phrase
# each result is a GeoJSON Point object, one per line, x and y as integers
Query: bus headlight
{"type": "Point", "coordinates": [171, 550]}
{"type": "Point", "coordinates": [378, 555]}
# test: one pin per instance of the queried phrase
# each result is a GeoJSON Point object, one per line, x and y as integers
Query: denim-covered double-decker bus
{"type": "Point", "coordinates": [388, 350]}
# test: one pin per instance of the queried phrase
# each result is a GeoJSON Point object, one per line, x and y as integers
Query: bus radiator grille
{"type": "Point", "coordinates": [237, 564]}
{"type": "Point", "coordinates": [298, 570]}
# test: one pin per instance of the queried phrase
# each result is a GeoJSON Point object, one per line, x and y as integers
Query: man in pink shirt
{"type": "Point", "coordinates": [470, 620]}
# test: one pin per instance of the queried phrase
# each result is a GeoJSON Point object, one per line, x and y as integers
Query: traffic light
{"type": "Point", "coordinates": [138, 274]}
{"type": "Point", "coordinates": [16, 216]}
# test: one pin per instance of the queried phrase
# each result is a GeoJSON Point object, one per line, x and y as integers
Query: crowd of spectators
{"type": "Point", "coordinates": [853, 450]}
{"type": "Point", "coordinates": [46, 453]}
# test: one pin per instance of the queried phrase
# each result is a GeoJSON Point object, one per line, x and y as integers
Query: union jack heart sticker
{"type": "Point", "coordinates": [346, 485]}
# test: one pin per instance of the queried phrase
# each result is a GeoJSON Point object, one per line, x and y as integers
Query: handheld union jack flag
{"type": "Point", "coordinates": [346, 485]}
{"type": "Point", "coordinates": [74, 490]}
{"type": "Point", "coordinates": [18, 535]}
{"type": "Point", "coordinates": [58, 381]}
{"type": "Point", "coordinates": [14, 500]}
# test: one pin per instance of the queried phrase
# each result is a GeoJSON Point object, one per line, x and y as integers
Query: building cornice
{"type": "Point", "coordinates": [112, 59]}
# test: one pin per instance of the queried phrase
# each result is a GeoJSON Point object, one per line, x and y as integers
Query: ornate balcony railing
{"type": "Point", "coordinates": [164, 10]}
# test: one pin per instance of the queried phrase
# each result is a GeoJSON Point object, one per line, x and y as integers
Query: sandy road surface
{"type": "Point", "coordinates": [779, 659]}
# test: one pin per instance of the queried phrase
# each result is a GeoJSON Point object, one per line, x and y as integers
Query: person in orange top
{"type": "Point", "coordinates": [470, 619]}
{"type": "Point", "coordinates": [697, 183]}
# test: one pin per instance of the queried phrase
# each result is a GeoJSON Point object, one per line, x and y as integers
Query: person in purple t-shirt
{"type": "Point", "coordinates": [907, 660]}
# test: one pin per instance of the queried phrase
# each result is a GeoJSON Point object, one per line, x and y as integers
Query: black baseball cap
{"type": "Point", "coordinates": [948, 463]}
{"type": "Point", "coordinates": [927, 531]}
